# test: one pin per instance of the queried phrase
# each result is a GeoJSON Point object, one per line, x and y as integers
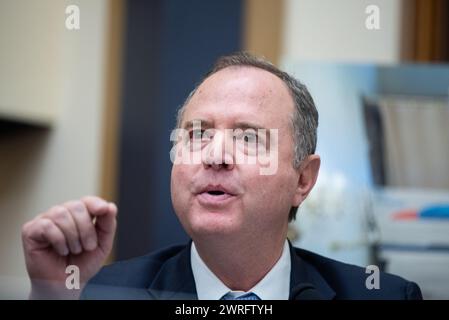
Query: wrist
{"type": "Point", "coordinates": [53, 290]}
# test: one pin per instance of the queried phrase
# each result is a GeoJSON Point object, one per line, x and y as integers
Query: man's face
{"type": "Point", "coordinates": [219, 196]}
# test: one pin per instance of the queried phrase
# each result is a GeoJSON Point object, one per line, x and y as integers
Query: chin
{"type": "Point", "coordinates": [209, 223]}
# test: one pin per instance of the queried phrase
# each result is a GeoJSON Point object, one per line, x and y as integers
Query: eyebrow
{"type": "Point", "coordinates": [204, 124]}
{"type": "Point", "coordinates": [238, 125]}
{"type": "Point", "coordinates": [247, 125]}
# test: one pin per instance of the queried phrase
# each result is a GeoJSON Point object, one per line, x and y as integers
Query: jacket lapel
{"type": "Point", "coordinates": [306, 283]}
{"type": "Point", "coordinates": [175, 279]}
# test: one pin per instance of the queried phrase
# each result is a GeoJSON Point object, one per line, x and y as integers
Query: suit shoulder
{"type": "Point", "coordinates": [350, 281]}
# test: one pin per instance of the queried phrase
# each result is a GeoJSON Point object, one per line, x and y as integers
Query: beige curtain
{"type": "Point", "coordinates": [416, 134]}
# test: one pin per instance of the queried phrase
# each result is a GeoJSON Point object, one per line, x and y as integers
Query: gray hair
{"type": "Point", "coordinates": [305, 115]}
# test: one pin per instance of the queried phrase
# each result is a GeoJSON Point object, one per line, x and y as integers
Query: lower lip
{"type": "Point", "coordinates": [207, 199]}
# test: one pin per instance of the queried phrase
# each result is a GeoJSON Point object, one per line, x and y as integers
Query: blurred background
{"type": "Point", "coordinates": [89, 110]}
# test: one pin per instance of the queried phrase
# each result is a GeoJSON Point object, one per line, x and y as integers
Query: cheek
{"type": "Point", "coordinates": [182, 174]}
{"type": "Point", "coordinates": [269, 194]}
{"type": "Point", "coordinates": [180, 178]}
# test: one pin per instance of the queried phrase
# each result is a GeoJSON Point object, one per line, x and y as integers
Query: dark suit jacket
{"type": "Point", "coordinates": [167, 274]}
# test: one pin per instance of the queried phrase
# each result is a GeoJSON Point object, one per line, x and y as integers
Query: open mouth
{"type": "Point", "coordinates": [216, 192]}
{"type": "Point", "coordinates": [214, 196]}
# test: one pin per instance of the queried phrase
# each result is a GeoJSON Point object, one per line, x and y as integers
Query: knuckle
{"type": "Point", "coordinates": [59, 214]}
{"type": "Point", "coordinates": [76, 206]}
{"type": "Point", "coordinates": [89, 198]}
{"type": "Point", "coordinates": [45, 225]}
{"type": "Point", "coordinates": [26, 228]}
{"type": "Point", "coordinates": [93, 201]}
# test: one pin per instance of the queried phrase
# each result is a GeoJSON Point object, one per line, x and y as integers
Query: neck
{"type": "Point", "coordinates": [240, 263]}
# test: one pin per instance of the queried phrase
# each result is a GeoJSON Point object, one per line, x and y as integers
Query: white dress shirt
{"type": "Point", "coordinates": [274, 286]}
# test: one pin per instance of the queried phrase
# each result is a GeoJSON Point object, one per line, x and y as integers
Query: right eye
{"type": "Point", "coordinates": [196, 134]}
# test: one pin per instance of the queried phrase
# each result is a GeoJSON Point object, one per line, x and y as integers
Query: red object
{"type": "Point", "coordinates": [408, 214]}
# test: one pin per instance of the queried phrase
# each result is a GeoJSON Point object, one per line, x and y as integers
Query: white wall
{"type": "Point", "coordinates": [337, 90]}
{"type": "Point", "coordinates": [41, 168]}
{"type": "Point", "coordinates": [333, 215]}
{"type": "Point", "coordinates": [335, 31]}
{"type": "Point", "coordinates": [328, 47]}
{"type": "Point", "coordinates": [30, 59]}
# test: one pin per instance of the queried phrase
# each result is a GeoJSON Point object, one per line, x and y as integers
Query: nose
{"type": "Point", "coordinates": [219, 152]}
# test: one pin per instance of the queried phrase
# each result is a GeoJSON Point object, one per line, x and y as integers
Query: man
{"type": "Point", "coordinates": [236, 214]}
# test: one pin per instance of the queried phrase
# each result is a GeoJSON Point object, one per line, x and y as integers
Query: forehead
{"type": "Point", "coordinates": [242, 94]}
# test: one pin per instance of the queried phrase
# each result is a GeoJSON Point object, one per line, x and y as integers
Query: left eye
{"type": "Point", "coordinates": [248, 137]}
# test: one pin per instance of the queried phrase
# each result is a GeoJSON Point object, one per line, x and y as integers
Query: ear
{"type": "Point", "coordinates": [308, 174]}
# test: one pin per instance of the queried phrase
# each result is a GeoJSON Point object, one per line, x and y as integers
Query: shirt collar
{"type": "Point", "coordinates": [274, 286]}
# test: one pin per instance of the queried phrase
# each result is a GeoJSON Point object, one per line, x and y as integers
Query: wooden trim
{"type": "Point", "coordinates": [431, 31]}
{"type": "Point", "coordinates": [408, 30]}
{"type": "Point", "coordinates": [424, 33]}
{"type": "Point", "coordinates": [112, 102]}
{"type": "Point", "coordinates": [263, 27]}
{"type": "Point", "coordinates": [112, 94]}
